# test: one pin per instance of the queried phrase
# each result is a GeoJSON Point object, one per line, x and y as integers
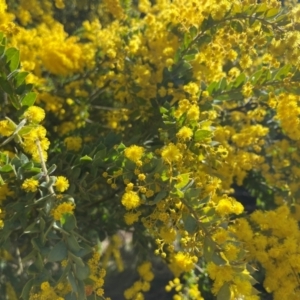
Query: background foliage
{"type": "Point", "coordinates": [149, 143]}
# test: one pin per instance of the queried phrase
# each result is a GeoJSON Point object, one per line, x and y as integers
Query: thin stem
{"type": "Point", "coordinates": [81, 237]}
{"type": "Point", "coordinates": [38, 144]}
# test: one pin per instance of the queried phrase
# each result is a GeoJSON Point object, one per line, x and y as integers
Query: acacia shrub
{"type": "Point", "coordinates": [144, 120]}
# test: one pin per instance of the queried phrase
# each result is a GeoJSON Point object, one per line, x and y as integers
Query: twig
{"type": "Point", "coordinates": [51, 190]}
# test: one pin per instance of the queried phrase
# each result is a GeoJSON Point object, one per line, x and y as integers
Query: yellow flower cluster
{"type": "Point", "coordinates": [143, 284]}
{"type": "Point", "coordinates": [47, 293]}
{"type": "Point", "coordinates": [30, 185]}
{"type": "Point", "coordinates": [131, 200]}
{"type": "Point", "coordinates": [210, 143]}
{"type": "Point", "coordinates": [228, 205]}
{"type": "Point", "coordinates": [61, 209]}
{"type": "Point", "coordinates": [73, 143]}
{"type": "Point", "coordinates": [134, 153]}
{"type": "Point", "coordinates": [131, 217]}
{"type": "Point", "coordinates": [288, 113]}
{"type": "Point", "coordinates": [61, 184]}
{"type": "Point", "coordinates": [34, 114]}
{"type": "Point", "coordinates": [113, 251]}
{"type": "Point", "coordinates": [239, 285]}
{"type": "Point", "coordinates": [182, 262]}
{"type": "Point", "coordinates": [97, 275]}
{"type": "Point", "coordinates": [272, 238]}
{"type": "Point", "coordinates": [6, 129]}
{"type": "Point", "coordinates": [171, 153]}
{"type": "Point", "coordinates": [37, 135]}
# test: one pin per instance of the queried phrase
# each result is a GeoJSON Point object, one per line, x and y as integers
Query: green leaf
{"type": "Point", "coordinates": [282, 72]}
{"type": "Point", "coordinates": [201, 135]}
{"type": "Point", "coordinates": [237, 26]}
{"type": "Point", "coordinates": [224, 292]}
{"type": "Point", "coordinates": [6, 86]}
{"type": "Point", "coordinates": [212, 87]}
{"type": "Point", "coordinates": [13, 56]}
{"type": "Point", "coordinates": [64, 273]}
{"type": "Point", "coordinates": [19, 78]}
{"type": "Point", "coordinates": [256, 76]}
{"type": "Point", "coordinates": [190, 224]}
{"type": "Point", "coordinates": [77, 260]}
{"type": "Point", "coordinates": [217, 259]}
{"type": "Point", "coordinates": [72, 243]}
{"type": "Point", "coordinates": [69, 222]}
{"type": "Point", "coordinates": [177, 192]}
{"type": "Point", "coordinates": [33, 269]}
{"type": "Point", "coordinates": [32, 228]}
{"type": "Point", "coordinates": [39, 262]}
{"type": "Point", "coordinates": [81, 290]}
{"type": "Point", "coordinates": [209, 247]}
{"type": "Point", "coordinates": [52, 169]}
{"type": "Point", "coordinates": [183, 180]}
{"type": "Point", "coordinates": [25, 130]}
{"type": "Point", "coordinates": [193, 31]}
{"type": "Point", "coordinates": [86, 158]}
{"type": "Point", "coordinates": [72, 282]}
{"type": "Point", "coordinates": [58, 252]}
{"type": "Point", "coordinates": [29, 256]}
{"type": "Point", "coordinates": [29, 99]}
{"type": "Point", "coordinates": [6, 169]}
{"type": "Point", "coordinates": [82, 272]}
{"type": "Point", "coordinates": [240, 80]}
{"type": "Point", "coordinates": [26, 289]}
{"type": "Point", "coordinates": [71, 296]}
{"type": "Point", "coordinates": [161, 195]}
{"type": "Point", "coordinates": [222, 84]}
{"type": "Point", "coordinates": [23, 89]}
{"type": "Point", "coordinates": [192, 193]}
{"type": "Point", "coordinates": [271, 13]}
{"type": "Point", "coordinates": [75, 172]}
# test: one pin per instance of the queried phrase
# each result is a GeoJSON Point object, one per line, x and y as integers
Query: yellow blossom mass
{"type": "Point", "coordinates": [30, 185]}
{"type": "Point", "coordinates": [171, 153]}
{"type": "Point", "coordinates": [61, 184]}
{"type": "Point", "coordinates": [131, 200]}
{"type": "Point", "coordinates": [34, 114]}
{"type": "Point", "coordinates": [61, 209]}
{"type": "Point", "coordinates": [134, 153]}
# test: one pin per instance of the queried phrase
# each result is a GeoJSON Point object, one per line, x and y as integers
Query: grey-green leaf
{"type": "Point", "coordinates": [58, 252]}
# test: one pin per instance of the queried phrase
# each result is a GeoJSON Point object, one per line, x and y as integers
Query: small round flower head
{"type": "Point", "coordinates": [131, 200]}
{"type": "Point", "coordinates": [61, 209]}
{"type": "Point", "coordinates": [34, 114]}
{"type": "Point", "coordinates": [30, 185]}
{"type": "Point", "coordinates": [134, 153]}
{"type": "Point", "coordinates": [185, 133]}
{"type": "Point", "coordinates": [6, 128]}
{"type": "Point", "coordinates": [61, 184]}
{"type": "Point", "coordinates": [73, 143]}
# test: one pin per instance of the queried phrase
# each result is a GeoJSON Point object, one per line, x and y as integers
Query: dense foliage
{"type": "Point", "coordinates": [143, 133]}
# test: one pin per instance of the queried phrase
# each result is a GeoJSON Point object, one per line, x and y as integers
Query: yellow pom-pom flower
{"type": "Point", "coordinates": [59, 4]}
{"type": "Point", "coordinates": [30, 185]}
{"type": "Point", "coordinates": [185, 133]}
{"type": "Point", "coordinates": [73, 143]}
{"type": "Point", "coordinates": [34, 114]}
{"type": "Point", "coordinates": [171, 153]}
{"type": "Point", "coordinates": [6, 128]}
{"type": "Point", "coordinates": [61, 184]}
{"type": "Point", "coordinates": [61, 209]}
{"type": "Point", "coordinates": [131, 200]}
{"type": "Point", "coordinates": [131, 217]}
{"type": "Point", "coordinates": [134, 153]}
